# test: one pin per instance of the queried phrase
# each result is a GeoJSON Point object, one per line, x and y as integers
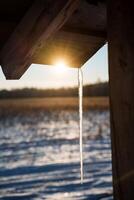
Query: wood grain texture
{"type": "Point", "coordinates": [121, 75]}
{"type": "Point", "coordinates": [41, 21]}
{"type": "Point", "coordinates": [74, 48]}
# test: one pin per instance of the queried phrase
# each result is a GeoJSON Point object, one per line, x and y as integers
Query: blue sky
{"type": "Point", "coordinates": [41, 76]}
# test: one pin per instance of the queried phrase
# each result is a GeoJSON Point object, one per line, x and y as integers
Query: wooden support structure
{"type": "Point", "coordinates": [82, 31]}
{"type": "Point", "coordinates": [42, 31]}
{"type": "Point", "coordinates": [40, 22]}
{"type": "Point", "coordinates": [121, 75]}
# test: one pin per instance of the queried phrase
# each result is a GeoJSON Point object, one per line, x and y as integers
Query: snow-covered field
{"type": "Point", "coordinates": [39, 156]}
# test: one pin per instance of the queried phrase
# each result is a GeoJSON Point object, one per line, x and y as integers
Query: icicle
{"type": "Point", "coordinates": [80, 85]}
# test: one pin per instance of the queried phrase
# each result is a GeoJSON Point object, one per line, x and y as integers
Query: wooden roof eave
{"type": "Point", "coordinates": [56, 29]}
{"type": "Point", "coordinates": [36, 27]}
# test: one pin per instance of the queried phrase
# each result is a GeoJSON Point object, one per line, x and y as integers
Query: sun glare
{"type": "Point", "coordinates": [60, 66]}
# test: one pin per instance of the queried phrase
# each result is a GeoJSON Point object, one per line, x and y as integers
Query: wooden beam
{"type": "Point", "coordinates": [6, 29]}
{"type": "Point", "coordinates": [78, 49]}
{"type": "Point", "coordinates": [41, 21]}
{"type": "Point", "coordinates": [121, 76]}
{"type": "Point", "coordinates": [85, 31]}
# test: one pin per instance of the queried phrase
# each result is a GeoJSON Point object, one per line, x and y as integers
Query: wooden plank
{"type": "Point", "coordinates": [85, 31]}
{"type": "Point", "coordinates": [121, 76]}
{"type": "Point", "coordinates": [5, 31]}
{"type": "Point", "coordinates": [41, 21]}
{"type": "Point", "coordinates": [76, 51]}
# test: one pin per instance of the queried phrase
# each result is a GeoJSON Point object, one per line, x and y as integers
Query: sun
{"type": "Point", "coordinates": [60, 66]}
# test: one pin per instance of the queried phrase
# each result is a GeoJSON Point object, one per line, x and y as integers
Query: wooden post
{"type": "Point", "coordinates": [121, 76]}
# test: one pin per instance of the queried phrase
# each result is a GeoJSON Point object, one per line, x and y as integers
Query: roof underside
{"type": "Point", "coordinates": [79, 37]}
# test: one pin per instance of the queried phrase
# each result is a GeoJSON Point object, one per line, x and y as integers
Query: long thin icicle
{"type": "Point", "coordinates": [80, 86]}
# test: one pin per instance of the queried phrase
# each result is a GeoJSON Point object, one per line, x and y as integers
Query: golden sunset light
{"type": "Point", "coordinates": [60, 66]}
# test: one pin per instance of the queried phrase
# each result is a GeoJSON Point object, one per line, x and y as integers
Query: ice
{"type": "Point", "coordinates": [80, 86]}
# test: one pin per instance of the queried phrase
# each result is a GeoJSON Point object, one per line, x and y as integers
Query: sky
{"type": "Point", "coordinates": [42, 76]}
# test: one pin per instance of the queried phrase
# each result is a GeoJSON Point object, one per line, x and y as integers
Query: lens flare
{"type": "Point", "coordinates": [60, 66]}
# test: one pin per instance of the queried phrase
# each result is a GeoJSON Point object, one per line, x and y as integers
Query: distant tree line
{"type": "Point", "coordinates": [98, 89]}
